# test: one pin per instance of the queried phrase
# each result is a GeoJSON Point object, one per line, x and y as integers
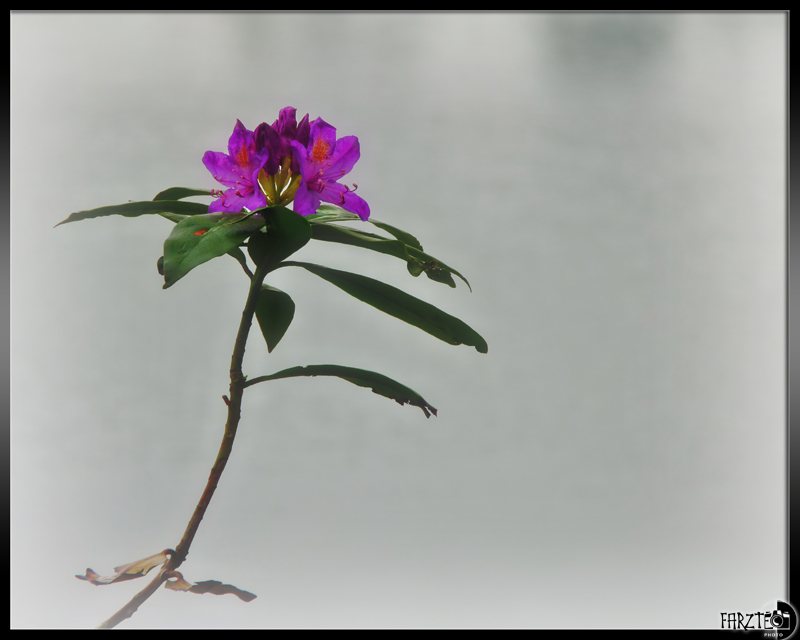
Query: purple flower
{"type": "Point", "coordinates": [323, 161]}
{"type": "Point", "coordinates": [287, 130]}
{"type": "Point", "coordinates": [281, 175]}
{"type": "Point", "coordinates": [285, 161]}
{"type": "Point", "coordinates": [238, 170]}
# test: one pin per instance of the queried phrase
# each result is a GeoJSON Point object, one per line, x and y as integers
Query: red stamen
{"type": "Point", "coordinates": [241, 156]}
{"type": "Point", "coordinates": [320, 150]}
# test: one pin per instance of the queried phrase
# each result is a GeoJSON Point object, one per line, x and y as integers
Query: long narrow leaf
{"type": "Point", "coordinates": [379, 383]}
{"type": "Point", "coordinates": [402, 236]}
{"type": "Point", "coordinates": [399, 304]}
{"type": "Point", "coordinates": [178, 193]}
{"type": "Point", "coordinates": [331, 213]}
{"type": "Point", "coordinates": [134, 209]}
{"type": "Point", "coordinates": [417, 260]}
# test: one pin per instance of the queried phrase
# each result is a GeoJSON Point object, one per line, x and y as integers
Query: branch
{"type": "Point", "coordinates": [234, 413]}
{"type": "Point", "coordinates": [129, 609]}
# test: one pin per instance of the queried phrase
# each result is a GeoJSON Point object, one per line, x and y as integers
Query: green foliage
{"type": "Point", "coordinates": [416, 259]}
{"type": "Point", "coordinates": [284, 233]}
{"type": "Point", "coordinates": [379, 383]}
{"type": "Point", "coordinates": [401, 305]}
{"type": "Point", "coordinates": [273, 234]}
{"type": "Point", "coordinates": [198, 239]}
{"type": "Point", "coordinates": [177, 193]}
{"type": "Point", "coordinates": [402, 236]}
{"type": "Point", "coordinates": [235, 253]}
{"type": "Point", "coordinates": [166, 208]}
{"type": "Point", "coordinates": [330, 213]}
{"type": "Point", "coordinates": [274, 312]}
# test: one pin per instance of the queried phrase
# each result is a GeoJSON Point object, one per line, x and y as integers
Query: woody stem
{"type": "Point", "coordinates": [234, 403]}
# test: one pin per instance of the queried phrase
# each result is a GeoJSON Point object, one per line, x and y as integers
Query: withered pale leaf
{"type": "Point", "coordinates": [218, 589]}
{"type": "Point", "coordinates": [207, 586]}
{"type": "Point", "coordinates": [129, 571]}
{"type": "Point", "coordinates": [178, 584]}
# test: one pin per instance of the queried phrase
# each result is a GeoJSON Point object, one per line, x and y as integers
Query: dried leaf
{"type": "Point", "coordinates": [218, 589]}
{"type": "Point", "coordinates": [129, 571]}
{"type": "Point", "coordinates": [176, 582]}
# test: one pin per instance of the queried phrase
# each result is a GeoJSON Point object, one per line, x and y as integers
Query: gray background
{"type": "Point", "coordinates": [613, 187]}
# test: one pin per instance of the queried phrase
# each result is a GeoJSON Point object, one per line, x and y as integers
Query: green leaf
{"type": "Point", "coordinates": [346, 235]}
{"type": "Point", "coordinates": [416, 260]}
{"type": "Point", "coordinates": [331, 213]}
{"type": "Point", "coordinates": [177, 193]}
{"type": "Point", "coordinates": [239, 256]}
{"type": "Point", "coordinates": [200, 238]}
{"type": "Point", "coordinates": [402, 236]}
{"type": "Point", "coordinates": [274, 311]}
{"type": "Point", "coordinates": [134, 209]}
{"type": "Point", "coordinates": [400, 305]}
{"type": "Point", "coordinates": [379, 383]}
{"type": "Point", "coordinates": [284, 233]}
{"type": "Point", "coordinates": [436, 270]}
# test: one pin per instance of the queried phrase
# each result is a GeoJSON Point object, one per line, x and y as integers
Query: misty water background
{"type": "Point", "coordinates": [612, 186]}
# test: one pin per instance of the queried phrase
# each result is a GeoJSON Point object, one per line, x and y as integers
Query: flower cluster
{"type": "Point", "coordinates": [284, 162]}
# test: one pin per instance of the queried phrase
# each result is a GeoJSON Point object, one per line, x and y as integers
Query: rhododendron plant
{"type": "Point", "coordinates": [264, 170]}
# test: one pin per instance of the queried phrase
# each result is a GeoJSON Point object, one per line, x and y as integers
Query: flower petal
{"type": "Point", "coordinates": [221, 167]}
{"type": "Point", "coordinates": [268, 140]}
{"type": "Point", "coordinates": [344, 197]}
{"type": "Point", "coordinates": [345, 155]}
{"type": "Point", "coordinates": [306, 200]}
{"type": "Point", "coordinates": [286, 124]}
{"type": "Point", "coordinates": [303, 131]}
{"type": "Point", "coordinates": [238, 170]}
{"type": "Point", "coordinates": [300, 156]}
{"type": "Point", "coordinates": [322, 142]}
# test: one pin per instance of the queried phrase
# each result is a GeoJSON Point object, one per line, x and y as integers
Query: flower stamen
{"type": "Point", "coordinates": [320, 150]}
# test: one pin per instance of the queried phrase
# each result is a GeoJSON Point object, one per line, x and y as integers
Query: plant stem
{"type": "Point", "coordinates": [234, 413]}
